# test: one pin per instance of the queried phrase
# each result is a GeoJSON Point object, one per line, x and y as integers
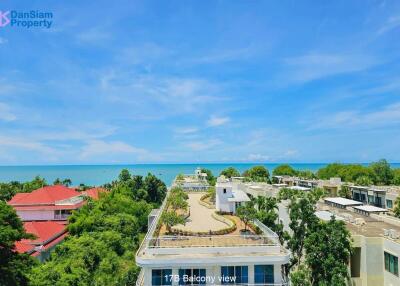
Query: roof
{"type": "Point", "coordinates": [342, 201]}
{"type": "Point", "coordinates": [44, 196]}
{"type": "Point", "coordinates": [239, 196]}
{"type": "Point", "coordinates": [370, 209]}
{"type": "Point", "coordinates": [326, 215]}
{"type": "Point", "coordinates": [299, 188]}
{"type": "Point", "coordinates": [94, 193]}
{"type": "Point", "coordinates": [49, 207]}
{"type": "Point", "coordinates": [48, 233]}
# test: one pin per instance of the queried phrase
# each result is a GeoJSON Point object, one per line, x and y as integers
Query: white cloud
{"type": "Point", "coordinates": [257, 158]}
{"type": "Point", "coordinates": [96, 148]}
{"type": "Point", "coordinates": [388, 115]}
{"type": "Point", "coordinates": [203, 145]}
{"type": "Point", "coordinates": [185, 130]}
{"type": "Point", "coordinates": [217, 121]}
{"type": "Point", "coordinates": [390, 24]}
{"type": "Point", "coordinates": [5, 113]}
{"type": "Point", "coordinates": [25, 144]}
{"type": "Point", "coordinates": [315, 66]}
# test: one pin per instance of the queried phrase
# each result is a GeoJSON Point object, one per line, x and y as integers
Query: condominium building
{"type": "Point", "coordinates": [376, 240]}
{"type": "Point", "coordinates": [210, 250]}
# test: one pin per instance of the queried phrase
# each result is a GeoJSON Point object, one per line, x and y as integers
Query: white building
{"type": "Point", "coordinates": [376, 241]}
{"type": "Point", "coordinates": [229, 195]}
{"type": "Point", "coordinates": [255, 259]}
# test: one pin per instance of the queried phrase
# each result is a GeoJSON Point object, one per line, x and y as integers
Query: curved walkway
{"type": "Point", "coordinates": [200, 218]}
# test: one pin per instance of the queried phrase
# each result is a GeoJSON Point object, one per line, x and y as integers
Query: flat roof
{"type": "Point", "coordinates": [326, 215]}
{"type": "Point", "coordinates": [239, 196]}
{"type": "Point", "coordinates": [299, 188]}
{"type": "Point", "coordinates": [370, 209]}
{"type": "Point", "coordinates": [343, 201]}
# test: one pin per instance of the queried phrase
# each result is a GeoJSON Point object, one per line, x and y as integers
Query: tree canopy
{"type": "Point", "coordinates": [230, 172]}
{"type": "Point", "coordinates": [103, 236]}
{"type": "Point", "coordinates": [284, 170]}
{"type": "Point", "coordinates": [14, 267]}
{"type": "Point", "coordinates": [257, 174]}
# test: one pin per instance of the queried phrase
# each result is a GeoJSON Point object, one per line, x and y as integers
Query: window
{"type": "Point", "coordinates": [234, 275]}
{"type": "Point", "coordinates": [371, 199]}
{"type": "Point", "coordinates": [224, 191]}
{"type": "Point", "coordinates": [391, 263]}
{"type": "Point", "coordinates": [192, 276]}
{"type": "Point", "coordinates": [263, 274]}
{"type": "Point", "coordinates": [161, 277]}
{"type": "Point", "coordinates": [389, 204]}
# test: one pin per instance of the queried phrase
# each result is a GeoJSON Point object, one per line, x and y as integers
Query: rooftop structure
{"type": "Point", "coordinates": [48, 235]}
{"type": "Point", "coordinates": [229, 195]}
{"type": "Point", "coordinates": [341, 202]}
{"type": "Point", "coordinates": [50, 202]}
{"type": "Point", "coordinates": [210, 249]}
{"type": "Point", "coordinates": [47, 203]}
{"type": "Point", "coordinates": [192, 182]}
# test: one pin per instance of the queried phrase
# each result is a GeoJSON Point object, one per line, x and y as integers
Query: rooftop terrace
{"type": "Point", "coordinates": [359, 224]}
{"type": "Point", "coordinates": [203, 219]}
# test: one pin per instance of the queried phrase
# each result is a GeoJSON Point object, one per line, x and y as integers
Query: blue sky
{"type": "Point", "coordinates": [201, 81]}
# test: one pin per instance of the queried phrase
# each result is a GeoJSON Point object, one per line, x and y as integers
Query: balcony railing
{"type": "Point", "coordinates": [210, 241]}
{"type": "Point", "coordinates": [61, 216]}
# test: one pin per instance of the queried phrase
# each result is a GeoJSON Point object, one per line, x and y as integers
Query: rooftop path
{"type": "Point", "coordinates": [200, 218]}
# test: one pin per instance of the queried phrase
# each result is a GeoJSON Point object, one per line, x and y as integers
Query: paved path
{"type": "Point", "coordinates": [200, 218]}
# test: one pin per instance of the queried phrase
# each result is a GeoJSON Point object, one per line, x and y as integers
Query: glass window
{"type": "Point", "coordinates": [391, 263]}
{"type": "Point", "coordinates": [263, 274]}
{"type": "Point", "coordinates": [234, 275]}
{"type": "Point", "coordinates": [389, 204]}
{"type": "Point", "coordinates": [192, 276]}
{"type": "Point", "coordinates": [161, 277]}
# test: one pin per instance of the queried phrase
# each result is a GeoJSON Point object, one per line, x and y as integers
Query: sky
{"type": "Point", "coordinates": [201, 81]}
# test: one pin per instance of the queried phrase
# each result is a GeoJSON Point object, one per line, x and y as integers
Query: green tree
{"type": "Point", "coordinates": [383, 172]}
{"type": "Point", "coordinates": [330, 171]}
{"type": "Point", "coordinates": [210, 177]}
{"type": "Point", "coordinates": [67, 182]}
{"type": "Point", "coordinates": [302, 223]}
{"type": "Point", "coordinates": [396, 177]}
{"type": "Point", "coordinates": [14, 267]}
{"type": "Point", "coordinates": [364, 181]}
{"type": "Point", "coordinates": [396, 208]}
{"type": "Point", "coordinates": [100, 258]}
{"type": "Point", "coordinates": [257, 174]}
{"type": "Point", "coordinates": [124, 176]}
{"type": "Point", "coordinates": [155, 188]}
{"type": "Point", "coordinates": [328, 249]}
{"type": "Point", "coordinates": [345, 192]}
{"type": "Point", "coordinates": [284, 170]}
{"type": "Point", "coordinates": [171, 218]}
{"type": "Point", "coordinates": [230, 172]}
{"type": "Point", "coordinates": [306, 174]}
{"type": "Point", "coordinates": [301, 276]}
{"type": "Point", "coordinates": [247, 213]}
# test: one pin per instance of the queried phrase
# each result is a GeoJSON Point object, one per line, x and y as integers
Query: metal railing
{"type": "Point", "coordinates": [211, 241]}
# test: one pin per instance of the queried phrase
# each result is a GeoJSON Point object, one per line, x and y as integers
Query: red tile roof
{"type": "Point", "coordinates": [43, 196]}
{"type": "Point", "coordinates": [48, 233]}
{"type": "Point", "coordinates": [94, 193]}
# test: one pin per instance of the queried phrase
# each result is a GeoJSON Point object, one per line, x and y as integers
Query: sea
{"type": "Point", "coordinates": [96, 175]}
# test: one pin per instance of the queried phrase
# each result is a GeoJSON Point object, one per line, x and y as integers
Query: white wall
{"type": "Point", "coordinates": [36, 215]}
{"type": "Point", "coordinates": [221, 200]}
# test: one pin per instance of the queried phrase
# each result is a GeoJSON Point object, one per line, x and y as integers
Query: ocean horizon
{"type": "Point", "coordinates": [96, 175]}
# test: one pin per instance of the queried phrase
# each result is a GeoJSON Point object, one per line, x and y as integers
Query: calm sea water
{"type": "Point", "coordinates": [100, 174]}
